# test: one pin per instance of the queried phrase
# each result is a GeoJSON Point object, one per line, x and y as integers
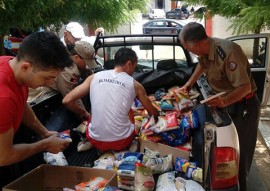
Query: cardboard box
{"type": "Point", "coordinates": [55, 178]}
{"type": "Point", "coordinates": [164, 149]}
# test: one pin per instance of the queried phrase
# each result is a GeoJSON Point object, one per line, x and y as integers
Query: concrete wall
{"type": "Point", "coordinates": [220, 27]}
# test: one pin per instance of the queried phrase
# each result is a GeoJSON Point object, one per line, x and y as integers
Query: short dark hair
{"type": "Point", "coordinates": [193, 32]}
{"type": "Point", "coordinates": [44, 50]}
{"type": "Point", "coordinates": [125, 54]}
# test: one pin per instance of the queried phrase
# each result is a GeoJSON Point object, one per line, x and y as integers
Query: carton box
{"type": "Point", "coordinates": [55, 178]}
{"type": "Point", "coordinates": [164, 149]}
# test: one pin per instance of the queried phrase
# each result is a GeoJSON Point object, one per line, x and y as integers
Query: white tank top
{"type": "Point", "coordinates": [111, 95]}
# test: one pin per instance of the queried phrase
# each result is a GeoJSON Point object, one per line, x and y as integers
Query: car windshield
{"type": "Point", "coordinates": [150, 49]}
{"type": "Point", "coordinates": [148, 57]}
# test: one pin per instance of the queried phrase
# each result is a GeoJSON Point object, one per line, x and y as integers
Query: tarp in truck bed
{"type": "Point", "coordinates": [155, 79]}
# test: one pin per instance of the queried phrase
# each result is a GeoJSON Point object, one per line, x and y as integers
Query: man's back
{"type": "Point", "coordinates": [111, 96]}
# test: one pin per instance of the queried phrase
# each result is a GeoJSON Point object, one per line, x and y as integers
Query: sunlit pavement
{"type": "Point", "coordinates": [259, 176]}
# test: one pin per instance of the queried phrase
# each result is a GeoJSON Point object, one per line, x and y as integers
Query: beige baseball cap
{"type": "Point", "coordinates": [87, 52]}
{"type": "Point", "coordinates": [76, 29]}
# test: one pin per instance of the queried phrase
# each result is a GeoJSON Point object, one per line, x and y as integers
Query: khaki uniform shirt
{"type": "Point", "coordinates": [67, 80]}
{"type": "Point", "coordinates": [226, 66]}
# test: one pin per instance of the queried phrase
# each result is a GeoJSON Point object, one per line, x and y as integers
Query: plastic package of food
{"type": "Point", "coordinates": [144, 180]}
{"type": "Point", "coordinates": [84, 145]}
{"type": "Point", "coordinates": [65, 135]}
{"type": "Point", "coordinates": [82, 127]}
{"type": "Point", "coordinates": [58, 159]}
{"type": "Point", "coordinates": [184, 101]}
{"type": "Point", "coordinates": [161, 164]}
{"type": "Point", "coordinates": [93, 184]}
{"type": "Point", "coordinates": [166, 182]}
{"type": "Point", "coordinates": [182, 184]}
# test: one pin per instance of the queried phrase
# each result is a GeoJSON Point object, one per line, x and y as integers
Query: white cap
{"type": "Point", "coordinates": [75, 29]}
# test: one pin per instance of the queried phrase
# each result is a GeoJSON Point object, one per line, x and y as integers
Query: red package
{"type": "Point", "coordinates": [172, 121]}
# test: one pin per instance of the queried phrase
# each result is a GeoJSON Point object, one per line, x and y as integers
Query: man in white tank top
{"type": "Point", "coordinates": [112, 93]}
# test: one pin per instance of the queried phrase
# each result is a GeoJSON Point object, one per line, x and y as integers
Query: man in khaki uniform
{"type": "Point", "coordinates": [227, 70]}
{"type": "Point", "coordinates": [83, 57]}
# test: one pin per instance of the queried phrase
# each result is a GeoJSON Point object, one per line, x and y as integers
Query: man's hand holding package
{"type": "Point", "coordinates": [56, 144]}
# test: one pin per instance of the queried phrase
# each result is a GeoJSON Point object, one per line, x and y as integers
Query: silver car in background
{"type": "Point", "coordinates": [163, 26]}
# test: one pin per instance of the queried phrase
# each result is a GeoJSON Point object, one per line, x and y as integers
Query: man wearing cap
{"type": "Point", "coordinates": [73, 32]}
{"type": "Point", "coordinates": [69, 78]}
{"type": "Point", "coordinates": [83, 58]}
{"type": "Point", "coordinates": [82, 54]}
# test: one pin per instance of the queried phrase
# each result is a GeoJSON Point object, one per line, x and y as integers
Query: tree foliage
{"type": "Point", "coordinates": [246, 15]}
{"type": "Point", "coordinates": [33, 14]}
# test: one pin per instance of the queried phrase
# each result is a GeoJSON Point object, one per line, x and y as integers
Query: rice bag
{"type": "Point", "coordinates": [160, 165]}
{"type": "Point", "coordinates": [187, 185]}
{"type": "Point", "coordinates": [58, 159]}
{"type": "Point", "coordinates": [126, 180]}
{"type": "Point", "coordinates": [106, 163]}
{"type": "Point", "coordinates": [144, 180]}
{"type": "Point", "coordinates": [148, 153]}
{"type": "Point", "coordinates": [127, 167]}
{"type": "Point", "coordinates": [166, 182]}
{"type": "Point", "coordinates": [126, 186]}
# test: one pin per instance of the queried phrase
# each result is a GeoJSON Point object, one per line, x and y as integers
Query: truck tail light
{"type": "Point", "coordinates": [224, 169]}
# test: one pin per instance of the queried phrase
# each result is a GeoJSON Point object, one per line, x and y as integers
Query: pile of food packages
{"type": "Point", "coordinates": [148, 170]}
{"type": "Point", "coordinates": [176, 120]}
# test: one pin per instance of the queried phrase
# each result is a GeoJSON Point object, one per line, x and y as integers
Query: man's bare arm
{"type": "Point", "coordinates": [144, 99]}
{"type": "Point", "coordinates": [14, 153]}
{"type": "Point", "coordinates": [77, 93]}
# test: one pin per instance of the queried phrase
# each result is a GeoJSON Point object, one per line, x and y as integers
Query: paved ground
{"type": "Point", "coordinates": [259, 177]}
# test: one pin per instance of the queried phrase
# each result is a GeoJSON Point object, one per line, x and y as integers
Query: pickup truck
{"type": "Point", "coordinates": [162, 62]}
